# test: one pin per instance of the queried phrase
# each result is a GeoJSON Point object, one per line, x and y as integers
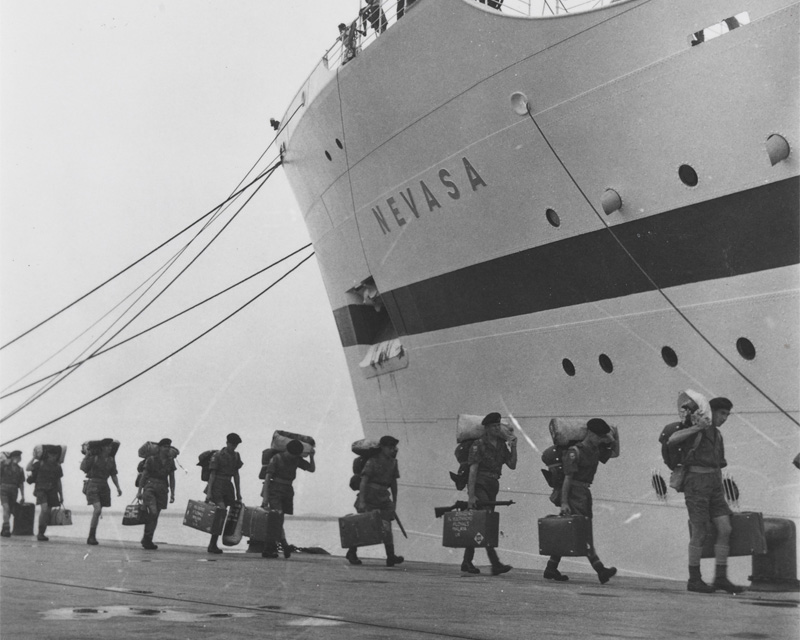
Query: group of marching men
{"type": "Point", "coordinates": [694, 444]}
{"type": "Point", "coordinates": [155, 482]}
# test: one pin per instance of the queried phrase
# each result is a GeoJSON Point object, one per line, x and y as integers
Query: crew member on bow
{"type": "Point", "coordinates": [487, 456]}
{"type": "Point", "coordinates": [580, 465]}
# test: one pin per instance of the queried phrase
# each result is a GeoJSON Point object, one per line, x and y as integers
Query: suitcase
{"type": "Point", "coordinates": [135, 514]}
{"type": "Point", "coordinates": [24, 518]}
{"type": "Point", "coordinates": [59, 516]}
{"type": "Point", "coordinates": [564, 535]}
{"type": "Point", "coordinates": [747, 537]}
{"type": "Point", "coordinates": [232, 533]}
{"type": "Point", "coordinates": [261, 525]}
{"type": "Point", "coordinates": [361, 529]}
{"type": "Point", "coordinates": [205, 516]}
{"type": "Point", "coordinates": [471, 528]}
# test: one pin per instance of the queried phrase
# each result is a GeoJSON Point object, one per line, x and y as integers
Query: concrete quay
{"type": "Point", "coordinates": [65, 589]}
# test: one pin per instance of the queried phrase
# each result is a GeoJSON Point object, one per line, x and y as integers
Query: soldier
{"type": "Point", "coordinates": [158, 479]}
{"type": "Point", "coordinates": [47, 474]}
{"type": "Point", "coordinates": [12, 481]}
{"type": "Point", "coordinates": [378, 491]}
{"type": "Point", "coordinates": [224, 467]}
{"type": "Point", "coordinates": [487, 456]}
{"type": "Point", "coordinates": [704, 492]}
{"type": "Point", "coordinates": [278, 492]}
{"type": "Point", "coordinates": [99, 466]}
{"type": "Point", "coordinates": [580, 465]}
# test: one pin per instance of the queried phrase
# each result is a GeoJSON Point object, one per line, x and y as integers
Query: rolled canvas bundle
{"type": "Point", "coordinates": [282, 438]}
{"type": "Point", "coordinates": [470, 427]}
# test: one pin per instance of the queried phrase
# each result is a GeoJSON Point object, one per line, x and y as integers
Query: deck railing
{"type": "Point", "coordinates": [387, 17]}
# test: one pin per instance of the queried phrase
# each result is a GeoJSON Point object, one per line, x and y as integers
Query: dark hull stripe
{"type": "Point", "coordinates": [741, 233]}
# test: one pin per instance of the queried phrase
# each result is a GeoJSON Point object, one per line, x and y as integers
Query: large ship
{"type": "Point", "coordinates": [569, 216]}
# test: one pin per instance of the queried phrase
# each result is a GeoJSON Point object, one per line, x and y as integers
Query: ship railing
{"type": "Point", "coordinates": [335, 56]}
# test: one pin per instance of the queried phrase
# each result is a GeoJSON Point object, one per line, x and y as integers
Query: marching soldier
{"type": "Point", "coordinates": [156, 485]}
{"type": "Point", "coordinates": [223, 482]}
{"type": "Point", "coordinates": [12, 482]}
{"type": "Point", "coordinates": [99, 466]}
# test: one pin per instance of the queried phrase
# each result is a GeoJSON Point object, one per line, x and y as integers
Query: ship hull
{"type": "Point", "coordinates": [477, 220]}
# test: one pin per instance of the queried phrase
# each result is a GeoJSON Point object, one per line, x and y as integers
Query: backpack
{"type": "Point", "coordinates": [358, 467]}
{"type": "Point", "coordinates": [140, 470]}
{"type": "Point", "coordinates": [461, 477]}
{"type": "Point", "coordinates": [672, 456]}
{"type": "Point", "coordinates": [204, 462]}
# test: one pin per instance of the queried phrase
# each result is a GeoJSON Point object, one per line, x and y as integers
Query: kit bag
{"type": "Point", "coordinates": [471, 428]}
{"type": "Point", "coordinates": [204, 462]}
{"type": "Point", "coordinates": [361, 529]}
{"type": "Point", "coordinates": [60, 516]}
{"type": "Point", "coordinates": [92, 447]}
{"type": "Point", "coordinates": [135, 514]}
{"type": "Point", "coordinates": [282, 438]}
{"type": "Point", "coordinates": [564, 535]}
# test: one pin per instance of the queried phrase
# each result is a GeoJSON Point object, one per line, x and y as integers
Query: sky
{"type": "Point", "coordinates": [122, 122]}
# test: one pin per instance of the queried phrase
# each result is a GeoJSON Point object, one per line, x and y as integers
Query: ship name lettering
{"type": "Point", "coordinates": [445, 178]}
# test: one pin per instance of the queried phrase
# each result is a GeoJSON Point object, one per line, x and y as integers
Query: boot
{"type": "Point", "coordinates": [287, 549]}
{"type": "Point", "coordinates": [497, 566]}
{"type": "Point", "coordinates": [270, 550]}
{"type": "Point", "coordinates": [91, 539]}
{"type": "Point", "coordinates": [721, 581]}
{"type": "Point", "coordinates": [605, 574]}
{"type": "Point", "coordinates": [6, 532]}
{"type": "Point", "coordinates": [352, 556]}
{"type": "Point", "coordinates": [551, 571]}
{"type": "Point", "coordinates": [41, 537]}
{"type": "Point", "coordinates": [212, 546]}
{"type": "Point", "coordinates": [696, 583]}
{"type": "Point", "coordinates": [147, 542]}
{"type": "Point", "coordinates": [391, 559]}
{"type": "Point", "coordinates": [466, 562]}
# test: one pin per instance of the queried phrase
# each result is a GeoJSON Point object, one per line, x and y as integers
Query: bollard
{"type": "Point", "coordinates": [776, 570]}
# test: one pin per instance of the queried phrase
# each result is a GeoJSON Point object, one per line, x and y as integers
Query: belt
{"type": "Point", "coordinates": [377, 485]}
{"type": "Point", "coordinates": [695, 469]}
{"type": "Point", "coordinates": [158, 480]}
{"type": "Point", "coordinates": [580, 483]}
{"type": "Point", "coordinates": [224, 475]}
{"type": "Point", "coordinates": [489, 474]}
{"type": "Point", "coordinates": [282, 481]}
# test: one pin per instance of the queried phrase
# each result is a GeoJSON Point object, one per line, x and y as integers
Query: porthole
{"type": "Point", "coordinates": [552, 217]}
{"type": "Point", "coordinates": [339, 143]}
{"type": "Point", "coordinates": [328, 156]}
{"type": "Point", "coordinates": [746, 349]}
{"type": "Point", "coordinates": [605, 363]}
{"type": "Point", "coordinates": [669, 356]}
{"type": "Point", "coordinates": [687, 175]}
{"type": "Point", "coordinates": [569, 368]}
{"type": "Point", "coordinates": [659, 485]}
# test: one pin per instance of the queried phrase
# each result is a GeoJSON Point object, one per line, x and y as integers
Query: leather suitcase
{"type": "Point", "coordinates": [471, 528]}
{"type": "Point", "coordinates": [59, 517]}
{"type": "Point", "coordinates": [747, 537]}
{"type": "Point", "coordinates": [564, 535]}
{"type": "Point", "coordinates": [135, 514]}
{"type": "Point", "coordinates": [24, 518]}
{"type": "Point", "coordinates": [261, 525]}
{"type": "Point", "coordinates": [205, 516]}
{"type": "Point", "coordinates": [361, 529]}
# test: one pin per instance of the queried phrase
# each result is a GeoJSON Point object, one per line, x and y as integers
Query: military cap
{"type": "Point", "coordinates": [388, 441]}
{"type": "Point", "coordinates": [492, 418]}
{"type": "Point", "coordinates": [295, 447]}
{"type": "Point", "coordinates": [15, 454]}
{"type": "Point", "coordinates": [720, 403]}
{"type": "Point", "coordinates": [598, 426]}
{"type": "Point", "coordinates": [234, 437]}
{"type": "Point", "coordinates": [164, 442]}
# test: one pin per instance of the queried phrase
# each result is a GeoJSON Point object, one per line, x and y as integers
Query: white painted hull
{"type": "Point", "coordinates": [623, 101]}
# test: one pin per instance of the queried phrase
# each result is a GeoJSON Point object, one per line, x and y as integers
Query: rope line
{"type": "Point", "coordinates": [153, 366]}
{"type": "Point", "coordinates": [236, 194]}
{"type": "Point", "coordinates": [158, 324]}
{"type": "Point", "coordinates": [653, 282]}
{"type": "Point", "coordinates": [53, 383]}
